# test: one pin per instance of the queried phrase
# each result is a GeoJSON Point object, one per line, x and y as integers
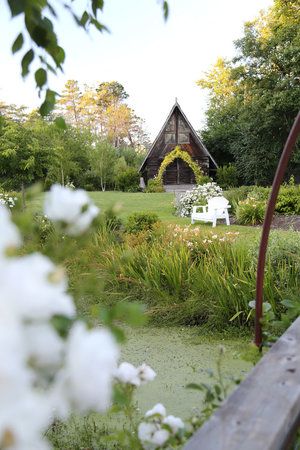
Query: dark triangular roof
{"type": "Point", "coordinates": [195, 135]}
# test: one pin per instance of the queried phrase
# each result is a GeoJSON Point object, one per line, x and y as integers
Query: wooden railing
{"type": "Point", "coordinates": [263, 412]}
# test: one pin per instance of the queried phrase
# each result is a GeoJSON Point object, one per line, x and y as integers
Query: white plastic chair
{"type": "Point", "coordinates": [216, 208]}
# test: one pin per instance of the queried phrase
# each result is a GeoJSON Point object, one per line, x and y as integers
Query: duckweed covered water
{"type": "Point", "coordinates": [180, 356]}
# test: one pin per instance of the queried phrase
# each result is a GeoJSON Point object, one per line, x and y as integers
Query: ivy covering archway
{"type": "Point", "coordinates": [178, 153]}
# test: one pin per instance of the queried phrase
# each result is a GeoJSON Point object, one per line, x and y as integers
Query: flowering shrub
{"type": "Point", "coordinates": [197, 196]}
{"type": "Point", "coordinates": [7, 200]}
{"type": "Point", "coordinates": [250, 211]}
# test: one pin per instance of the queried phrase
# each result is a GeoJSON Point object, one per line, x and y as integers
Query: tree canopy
{"type": "Point", "coordinates": [255, 97]}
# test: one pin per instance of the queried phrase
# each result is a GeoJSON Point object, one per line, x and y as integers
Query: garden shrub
{"type": "Point", "coordinates": [227, 176]}
{"type": "Point", "coordinates": [128, 180]}
{"type": "Point", "coordinates": [8, 198]}
{"type": "Point", "coordinates": [154, 185]}
{"type": "Point", "coordinates": [288, 201]}
{"type": "Point", "coordinates": [197, 196]}
{"type": "Point", "coordinates": [140, 221]}
{"type": "Point", "coordinates": [250, 211]}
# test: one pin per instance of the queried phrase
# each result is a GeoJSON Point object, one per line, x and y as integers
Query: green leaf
{"type": "Point", "coordinates": [18, 43]}
{"type": "Point", "coordinates": [84, 19]}
{"type": "Point", "coordinates": [60, 123]}
{"type": "Point", "coordinates": [235, 316]}
{"type": "Point", "coordinates": [196, 386]}
{"type": "Point", "coordinates": [48, 104]}
{"type": "Point", "coordinates": [166, 9]}
{"type": "Point", "coordinates": [57, 53]}
{"type": "Point", "coordinates": [97, 4]}
{"type": "Point", "coordinates": [98, 25]}
{"type": "Point", "coordinates": [26, 61]}
{"type": "Point", "coordinates": [16, 7]}
{"type": "Point", "coordinates": [40, 77]}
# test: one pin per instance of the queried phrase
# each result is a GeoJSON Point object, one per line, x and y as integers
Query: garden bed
{"type": "Point", "coordinates": [280, 222]}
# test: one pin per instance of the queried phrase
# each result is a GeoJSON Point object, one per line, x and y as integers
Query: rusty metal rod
{"type": "Point", "coordinates": [281, 168]}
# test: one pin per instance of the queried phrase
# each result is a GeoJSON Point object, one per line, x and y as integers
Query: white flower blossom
{"type": "Point", "coordinates": [9, 233]}
{"type": "Point", "coordinates": [157, 409]}
{"type": "Point", "coordinates": [72, 207]}
{"type": "Point", "coordinates": [91, 362]}
{"type": "Point", "coordinates": [175, 423]}
{"type": "Point", "coordinates": [152, 435]}
{"type": "Point", "coordinates": [127, 373]}
{"type": "Point", "coordinates": [44, 347]}
{"type": "Point", "coordinates": [146, 373]}
{"type": "Point", "coordinates": [30, 285]}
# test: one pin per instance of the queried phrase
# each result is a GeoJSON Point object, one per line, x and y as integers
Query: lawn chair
{"type": "Point", "coordinates": [216, 208]}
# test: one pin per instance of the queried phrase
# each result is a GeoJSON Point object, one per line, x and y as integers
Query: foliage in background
{"type": "Point", "coordinates": [139, 222]}
{"type": "Point", "coordinates": [227, 176]}
{"type": "Point", "coordinates": [287, 201]}
{"type": "Point", "coordinates": [33, 149]}
{"type": "Point", "coordinates": [255, 97]}
{"type": "Point", "coordinates": [128, 180]}
{"type": "Point", "coordinates": [179, 153]}
{"type": "Point", "coordinates": [199, 195]}
{"type": "Point", "coordinates": [154, 185]}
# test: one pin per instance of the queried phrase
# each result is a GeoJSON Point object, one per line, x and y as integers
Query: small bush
{"type": "Point", "coordinates": [128, 180]}
{"type": "Point", "coordinates": [227, 176]}
{"type": "Point", "coordinates": [234, 196]}
{"type": "Point", "coordinates": [250, 211]}
{"type": "Point", "coordinates": [154, 185]}
{"type": "Point", "coordinates": [138, 222]}
{"type": "Point", "coordinates": [288, 201]}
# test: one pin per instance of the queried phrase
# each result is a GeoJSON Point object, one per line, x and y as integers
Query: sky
{"type": "Point", "coordinates": [155, 60]}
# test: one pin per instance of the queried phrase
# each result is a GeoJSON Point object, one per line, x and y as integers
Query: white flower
{"type": "Point", "coordinates": [146, 373]}
{"type": "Point", "coordinates": [157, 409]}
{"type": "Point", "coordinates": [30, 284]}
{"type": "Point", "coordinates": [153, 434]}
{"type": "Point", "coordinates": [73, 207]}
{"type": "Point", "coordinates": [44, 346]}
{"type": "Point", "coordinates": [9, 233]}
{"type": "Point", "coordinates": [91, 362]}
{"type": "Point", "coordinates": [127, 373]}
{"type": "Point", "coordinates": [175, 423]}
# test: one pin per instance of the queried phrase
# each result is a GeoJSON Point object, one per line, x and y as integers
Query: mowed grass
{"type": "Point", "coordinates": [162, 204]}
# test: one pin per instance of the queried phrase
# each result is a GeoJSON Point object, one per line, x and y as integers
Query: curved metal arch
{"type": "Point", "coordinates": [281, 168]}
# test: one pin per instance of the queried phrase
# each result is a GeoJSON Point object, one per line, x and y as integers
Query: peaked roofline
{"type": "Point", "coordinates": [195, 135]}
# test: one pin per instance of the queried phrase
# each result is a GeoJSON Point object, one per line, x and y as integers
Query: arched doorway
{"type": "Point", "coordinates": [178, 172]}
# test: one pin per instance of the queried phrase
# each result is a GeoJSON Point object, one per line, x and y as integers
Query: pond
{"type": "Point", "coordinates": [180, 356]}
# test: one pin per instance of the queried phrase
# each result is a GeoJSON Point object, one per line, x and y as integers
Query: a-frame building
{"type": "Point", "coordinates": [177, 130]}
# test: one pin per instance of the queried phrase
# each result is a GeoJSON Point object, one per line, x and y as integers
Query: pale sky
{"type": "Point", "coordinates": [156, 61]}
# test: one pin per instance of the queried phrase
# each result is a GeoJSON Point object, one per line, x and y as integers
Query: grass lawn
{"type": "Point", "coordinates": [161, 204]}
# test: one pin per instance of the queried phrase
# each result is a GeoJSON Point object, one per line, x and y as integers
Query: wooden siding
{"type": "Point", "coordinates": [175, 132]}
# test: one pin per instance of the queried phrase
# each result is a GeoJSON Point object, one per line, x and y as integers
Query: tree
{"type": "Point", "coordinates": [20, 156]}
{"type": "Point", "coordinates": [40, 37]}
{"type": "Point", "coordinates": [250, 116]}
{"type": "Point", "coordinates": [102, 160]}
{"type": "Point", "coordinates": [70, 102]}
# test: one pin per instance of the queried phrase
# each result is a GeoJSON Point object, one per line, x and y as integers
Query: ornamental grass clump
{"type": "Point", "coordinates": [199, 195]}
{"type": "Point", "coordinates": [250, 211]}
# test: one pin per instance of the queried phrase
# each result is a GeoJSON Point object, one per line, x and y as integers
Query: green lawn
{"type": "Point", "coordinates": [161, 204]}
